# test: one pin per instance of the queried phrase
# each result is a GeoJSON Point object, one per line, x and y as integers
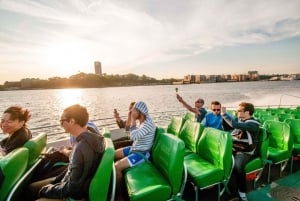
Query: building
{"type": "Point", "coordinates": [98, 69]}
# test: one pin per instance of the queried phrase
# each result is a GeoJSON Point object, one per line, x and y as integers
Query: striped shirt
{"type": "Point", "coordinates": [143, 136]}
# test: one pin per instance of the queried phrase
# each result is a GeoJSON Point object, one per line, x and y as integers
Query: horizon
{"type": "Point", "coordinates": [160, 39]}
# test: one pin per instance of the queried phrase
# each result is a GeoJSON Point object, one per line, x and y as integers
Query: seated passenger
{"type": "Point", "coordinates": [198, 110]}
{"type": "Point", "coordinates": [84, 160]}
{"type": "Point", "coordinates": [124, 123]}
{"type": "Point", "coordinates": [245, 140]}
{"type": "Point", "coordinates": [13, 123]}
{"type": "Point", "coordinates": [213, 119]}
{"type": "Point", "coordinates": [142, 131]}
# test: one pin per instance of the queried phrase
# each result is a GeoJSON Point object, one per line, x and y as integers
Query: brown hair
{"type": "Point", "coordinates": [78, 113]}
{"type": "Point", "coordinates": [247, 107]}
{"type": "Point", "coordinates": [18, 113]}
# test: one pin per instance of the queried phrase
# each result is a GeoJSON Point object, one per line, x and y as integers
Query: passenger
{"type": "Point", "coordinates": [124, 123]}
{"type": "Point", "coordinates": [84, 159]}
{"type": "Point", "coordinates": [245, 139]}
{"type": "Point", "coordinates": [142, 131]}
{"type": "Point", "coordinates": [213, 119]}
{"type": "Point", "coordinates": [13, 122]}
{"type": "Point", "coordinates": [198, 110]}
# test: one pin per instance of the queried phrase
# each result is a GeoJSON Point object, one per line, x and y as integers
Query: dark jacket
{"type": "Point", "coordinates": [84, 161]}
{"type": "Point", "coordinates": [16, 140]}
{"type": "Point", "coordinates": [245, 134]}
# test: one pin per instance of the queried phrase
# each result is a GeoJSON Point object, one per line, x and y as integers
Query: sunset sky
{"type": "Point", "coordinates": [158, 38]}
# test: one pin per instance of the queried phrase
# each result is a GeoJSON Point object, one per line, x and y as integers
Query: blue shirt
{"type": "Point", "coordinates": [212, 120]}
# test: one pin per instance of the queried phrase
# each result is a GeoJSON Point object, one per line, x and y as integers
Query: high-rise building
{"type": "Point", "coordinates": [98, 70]}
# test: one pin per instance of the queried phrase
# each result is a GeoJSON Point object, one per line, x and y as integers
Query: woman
{"type": "Point", "coordinates": [13, 122]}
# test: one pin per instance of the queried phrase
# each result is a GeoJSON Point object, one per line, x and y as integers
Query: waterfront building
{"type": "Point", "coordinates": [98, 69]}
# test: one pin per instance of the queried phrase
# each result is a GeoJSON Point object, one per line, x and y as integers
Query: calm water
{"type": "Point", "coordinates": [47, 105]}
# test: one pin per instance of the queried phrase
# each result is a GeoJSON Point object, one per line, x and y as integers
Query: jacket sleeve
{"type": "Point", "coordinates": [233, 122]}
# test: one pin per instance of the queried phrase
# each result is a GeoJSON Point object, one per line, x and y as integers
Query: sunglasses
{"type": "Point", "coordinates": [216, 110]}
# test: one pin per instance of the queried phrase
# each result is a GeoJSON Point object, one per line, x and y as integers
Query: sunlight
{"type": "Point", "coordinates": [70, 96]}
{"type": "Point", "coordinates": [68, 57]}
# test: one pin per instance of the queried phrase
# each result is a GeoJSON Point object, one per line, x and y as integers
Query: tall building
{"type": "Point", "coordinates": [98, 69]}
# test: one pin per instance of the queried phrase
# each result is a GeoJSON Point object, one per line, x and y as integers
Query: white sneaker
{"type": "Point", "coordinates": [242, 196]}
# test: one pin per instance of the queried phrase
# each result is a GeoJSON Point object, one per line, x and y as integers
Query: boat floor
{"type": "Point", "coordinates": [284, 188]}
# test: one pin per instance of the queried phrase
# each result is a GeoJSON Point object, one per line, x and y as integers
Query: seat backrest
{"type": "Point", "coordinates": [36, 146]}
{"type": "Point", "coordinates": [284, 116]}
{"type": "Point", "coordinates": [168, 155]}
{"type": "Point", "coordinates": [175, 125]}
{"type": "Point", "coordinates": [189, 116]}
{"type": "Point", "coordinates": [266, 117]}
{"type": "Point", "coordinates": [279, 135]}
{"type": "Point", "coordinates": [295, 129]}
{"type": "Point", "coordinates": [13, 166]}
{"type": "Point", "coordinates": [190, 134]}
{"type": "Point", "coordinates": [215, 146]}
{"type": "Point", "coordinates": [99, 186]}
{"type": "Point", "coordinates": [263, 143]}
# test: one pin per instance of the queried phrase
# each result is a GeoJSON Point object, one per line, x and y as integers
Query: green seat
{"type": "Point", "coordinates": [105, 173]}
{"type": "Point", "coordinates": [266, 117]}
{"type": "Point", "coordinates": [189, 116]}
{"type": "Point", "coordinates": [254, 168]}
{"type": "Point", "coordinates": [175, 125]}
{"type": "Point", "coordinates": [280, 144]}
{"type": "Point", "coordinates": [190, 134]}
{"type": "Point", "coordinates": [295, 132]}
{"type": "Point", "coordinates": [163, 177]}
{"type": "Point", "coordinates": [12, 167]}
{"type": "Point", "coordinates": [212, 164]}
{"type": "Point", "coordinates": [36, 146]}
{"type": "Point", "coordinates": [284, 116]}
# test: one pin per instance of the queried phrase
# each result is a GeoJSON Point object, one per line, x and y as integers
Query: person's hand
{"type": "Point", "coordinates": [116, 114]}
{"type": "Point", "coordinates": [179, 98]}
{"type": "Point", "coordinates": [223, 110]}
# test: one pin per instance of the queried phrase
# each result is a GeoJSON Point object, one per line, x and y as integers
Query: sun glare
{"type": "Point", "coordinates": [70, 96]}
{"type": "Point", "coordinates": [68, 59]}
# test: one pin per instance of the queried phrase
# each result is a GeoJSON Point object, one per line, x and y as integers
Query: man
{"type": "Point", "coordinates": [213, 119]}
{"type": "Point", "coordinates": [198, 110]}
{"type": "Point", "coordinates": [142, 131]}
{"type": "Point", "coordinates": [84, 159]}
{"type": "Point", "coordinates": [245, 140]}
{"type": "Point", "coordinates": [124, 123]}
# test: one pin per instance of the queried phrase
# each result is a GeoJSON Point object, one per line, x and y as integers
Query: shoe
{"type": "Point", "coordinates": [242, 196]}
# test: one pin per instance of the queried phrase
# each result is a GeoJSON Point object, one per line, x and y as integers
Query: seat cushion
{"type": "Point", "coordinates": [145, 183]}
{"type": "Point", "coordinates": [277, 155]}
{"type": "Point", "coordinates": [202, 172]}
{"type": "Point", "coordinates": [296, 150]}
{"type": "Point", "coordinates": [254, 164]}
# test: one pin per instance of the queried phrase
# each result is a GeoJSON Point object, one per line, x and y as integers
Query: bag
{"type": "Point", "coordinates": [52, 164]}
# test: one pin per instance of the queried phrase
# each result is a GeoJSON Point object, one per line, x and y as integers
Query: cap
{"type": "Point", "coordinates": [200, 100]}
{"type": "Point", "coordinates": [141, 106]}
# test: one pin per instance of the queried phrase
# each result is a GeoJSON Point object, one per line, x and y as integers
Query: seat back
{"type": "Point", "coordinates": [12, 167]}
{"type": "Point", "coordinates": [175, 125]}
{"type": "Point", "coordinates": [99, 186]}
{"type": "Point", "coordinates": [36, 146]}
{"type": "Point", "coordinates": [189, 116]}
{"type": "Point", "coordinates": [168, 155]}
{"type": "Point", "coordinates": [215, 146]}
{"type": "Point", "coordinates": [295, 129]}
{"type": "Point", "coordinates": [263, 143]}
{"type": "Point", "coordinates": [284, 116]}
{"type": "Point", "coordinates": [280, 136]}
{"type": "Point", "coordinates": [190, 134]}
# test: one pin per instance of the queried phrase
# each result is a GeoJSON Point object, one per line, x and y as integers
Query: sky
{"type": "Point", "coordinates": [157, 38]}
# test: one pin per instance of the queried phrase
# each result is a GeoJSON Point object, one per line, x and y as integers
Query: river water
{"type": "Point", "coordinates": [46, 106]}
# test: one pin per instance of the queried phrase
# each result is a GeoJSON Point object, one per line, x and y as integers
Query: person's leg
{"type": "Point", "coordinates": [35, 187]}
{"type": "Point", "coordinates": [120, 166]}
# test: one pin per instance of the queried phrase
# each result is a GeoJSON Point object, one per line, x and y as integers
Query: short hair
{"type": "Point", "coordinates": [215, 103]}
{"type": "Point", "coordinates": [247, 107]}
{"type": "Point", "coordinates": [78, 113]}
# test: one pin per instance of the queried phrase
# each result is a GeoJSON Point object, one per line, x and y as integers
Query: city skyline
{"type": "Point", "coordinates": [161, 39]}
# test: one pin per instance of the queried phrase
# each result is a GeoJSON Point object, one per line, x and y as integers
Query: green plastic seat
{"type": "Point", "coordinates": [266, 117]}
{"type": "Point", "coordinates": [280, 144]}
{"type": "Point", "coordinates": [212, 164]}
{"type": "Point", "coordinates": [295, 132]}
{"type": "Point", "coordinates": [175, 125]}
{"type": "Point", "coordinates": [190, 134]}
{"type": "Point", "coordinates": [36, 146]}
{"type": "Point", "coordinates": [254, 168]}
{"type": "Point", "coordinates": [163, 177]}
{"type": "Point", "coordinates": [105, 173]}
{"type": "Point", "coordinates": [189, 116]}
{"type": "Point", "coordinates": [13, 166]}
{"type": "Point", "coordinates": [284, 116]}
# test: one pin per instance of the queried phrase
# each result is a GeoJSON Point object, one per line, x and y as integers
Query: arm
{"type": "Point", "coordinates": [119, 121]}
{"type": "Point", "coordinates": [187, 106]}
